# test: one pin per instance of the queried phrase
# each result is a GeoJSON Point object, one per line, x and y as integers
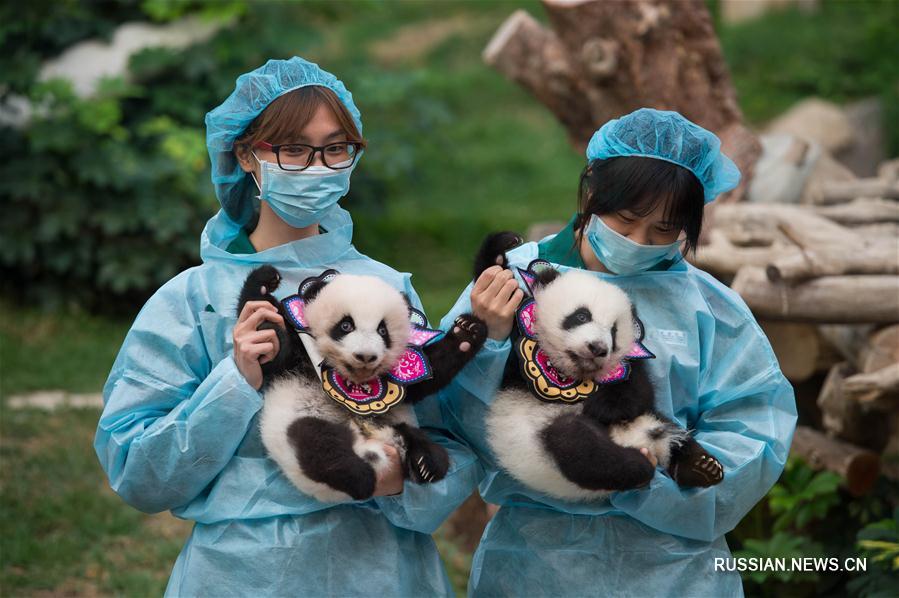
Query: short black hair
{"type": "Point", "coordinates": [639, 184]}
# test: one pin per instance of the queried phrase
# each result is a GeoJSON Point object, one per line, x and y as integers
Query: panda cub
{"type": "Point", "coordinates": [576, 404]}
{"type": "Point", "coordinates": [329, 409]}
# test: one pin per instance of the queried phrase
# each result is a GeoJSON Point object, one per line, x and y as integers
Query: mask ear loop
{"type": "Point", "coordinates": [253, 174]}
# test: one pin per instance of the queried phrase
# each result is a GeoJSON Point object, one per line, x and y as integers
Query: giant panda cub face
{"type": "Point", "coordinates": [360, 325]}
{"type": "Point", "coordinates": [584, 325]}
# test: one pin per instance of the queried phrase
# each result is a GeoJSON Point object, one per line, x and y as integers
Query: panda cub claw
{"type": "Point", "coordinates": [427, 464]}
{"type": "Point", "coordinates": [697, 469]}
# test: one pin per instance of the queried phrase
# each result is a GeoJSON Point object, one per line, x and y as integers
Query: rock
{"type": "Point", "coordinates": [826, 170]}
{"type": "Point", "coordinates": [783, 168]}
{"type": "Point", "coordinates": [739, 11]}
{"type": "Point", "coordinates": [816, 120]}
{"type": "Point", "coordinates": [86, 63]}
{"type": "Point", "coordinates": [51, 400]}
{"type": "Point", "coordinates": [869, 149]}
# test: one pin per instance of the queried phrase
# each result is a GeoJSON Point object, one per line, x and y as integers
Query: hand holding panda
{"type": "Point", "coordinates": [333, 402]}
{"type": "Point", "coordinates": [575, 416]}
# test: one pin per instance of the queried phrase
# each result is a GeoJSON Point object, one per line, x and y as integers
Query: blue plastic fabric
{"type": "Point", "coordinates": [668, 136]}
{"type": "Point", "coordinates": [714, 372]}
{"type": "Point", "coordinates": [253, 92]}
{"type": "Point", "coordinates": [179, 431]}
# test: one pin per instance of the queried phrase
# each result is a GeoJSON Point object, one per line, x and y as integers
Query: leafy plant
{"type": "Point", "coordinates": [879, 541]}
{"type": "Point", "coordinates": [802, 496]}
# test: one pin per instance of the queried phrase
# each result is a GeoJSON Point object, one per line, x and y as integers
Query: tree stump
{"type": "Point", "coordinates": [605, 58]}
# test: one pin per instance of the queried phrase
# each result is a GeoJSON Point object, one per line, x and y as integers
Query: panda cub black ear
{"type": "Point", "coordinates": [408, 302]}
{"type": "Point", "coordinates": [544, 276]}
{"type": "Point", "coordinates": [312, 286]}
{"type": "Point", "coordinates": [312, 289]}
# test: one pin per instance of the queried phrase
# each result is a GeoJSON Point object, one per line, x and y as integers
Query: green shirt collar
{"type": "Point", "coordinates": [561, 248]}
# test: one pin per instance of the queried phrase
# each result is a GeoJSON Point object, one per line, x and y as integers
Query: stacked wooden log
{"type": "Point", "coordinates": [823, 280]}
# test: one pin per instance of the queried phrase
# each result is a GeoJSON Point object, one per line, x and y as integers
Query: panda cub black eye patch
{"type": "Point", "coordinates": [576, 318]}
{"type": "Point", "coordinates": [384, 333]}
{"type": "Point", "coordinates": [614, 337]}
{"type": "Point", "coordinates": [342, 328]}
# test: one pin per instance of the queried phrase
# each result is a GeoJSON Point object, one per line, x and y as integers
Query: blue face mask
{"type": "Point", "coordinates": [305, 197]}
{"type": "Point", "coordinates": [621, 255]}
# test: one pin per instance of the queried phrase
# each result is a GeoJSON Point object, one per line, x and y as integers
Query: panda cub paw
{"type": "Point", "coordinates": [427, 463]}
{"type": "Point", "coordinates": [697, 469]}
{"type": "Point", "coordinates": [469, 331]}
{"type": "Point", "coordinates": [265, 278]}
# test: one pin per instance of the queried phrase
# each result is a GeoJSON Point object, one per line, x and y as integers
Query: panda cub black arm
{"type": "Point", "coordinates": [259, 286]}
{"type": "Point", "coordinates": [450, 354]}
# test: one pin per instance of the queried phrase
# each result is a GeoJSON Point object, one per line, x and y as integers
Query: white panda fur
{"type": "Point", "coordinates": [290, 397]}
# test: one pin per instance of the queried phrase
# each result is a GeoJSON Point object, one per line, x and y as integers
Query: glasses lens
{"type": "Point", "coordinates": [295, 156]}
{"type": "Point", "coordinates": [340, 155]}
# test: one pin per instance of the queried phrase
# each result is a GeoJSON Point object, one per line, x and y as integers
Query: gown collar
{"type": "Point", "coordinates": [324, 248]}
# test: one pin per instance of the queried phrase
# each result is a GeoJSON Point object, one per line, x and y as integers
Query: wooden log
{"type": "Point", "coordinates": [827, 300]}
{"type": "Point", "coordinates": [616, 57]}
{"type": "Point", "coordinates": [862, 211]}
{"type": "Point", "coordinates": [764, 224]}
{"type": "Point", "coordinates": [889, 230]}
{"type": "Point", "coordinates": [798, 348]}
{"type": "Point", "coordinates": [848, 340]}
{"type": "Point", "coordinates": [526, 52]}
{"type": "Point", "coordinates": [874, 386]}
{"type": "Point", "coordinates": [890, 467]}
{"type": "Point", "coordinates": [889, 170]}
{"type": "Point", "coordinates": [878, 257]}
{"type": "Point", "coordinates": [880, 350]}
{"type": "Point", "coordinates": [840, 192]}
{"type": "Point", "coordinates": [723, 258]}
{"type": "Point", "coordinates": [858, 467]}
{"type": "Point", "coordinates": [845, 417]}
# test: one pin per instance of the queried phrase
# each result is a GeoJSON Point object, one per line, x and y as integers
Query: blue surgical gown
{"type": "Point", "coordinates": [714, 373]}
{"type": "Point", "coordinates": [179, 431]}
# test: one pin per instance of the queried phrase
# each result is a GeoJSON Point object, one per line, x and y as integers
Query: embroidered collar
{"type": "Point", "coordinates": [379, 394]}
{"type": "Point", "coordinates": [544, 380]}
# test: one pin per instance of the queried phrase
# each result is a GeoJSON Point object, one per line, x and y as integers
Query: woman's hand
{"type": "Point", "coordinates": [390, 479]}
{"type": "Point", "coordinates": [494, 299]}
{"type": "Point", "coordinates": [254, 347]}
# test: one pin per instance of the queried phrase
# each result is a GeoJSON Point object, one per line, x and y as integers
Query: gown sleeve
{"type": "Point", "coordinates": [171, 419]}
{"type": "Point", "coordinates": [747, 415]}
{"type": "Point", "coordinates": [483, 374]}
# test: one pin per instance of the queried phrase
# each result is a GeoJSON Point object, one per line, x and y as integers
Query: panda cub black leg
{"type": "Point", "coordinates": [587, 456]}
{"type": "Point", "coordinates": [426, 461]}
{"type": "Point", "coordinates": [325, 453]}
{"type": "Point", "coordinates": [692, 466]}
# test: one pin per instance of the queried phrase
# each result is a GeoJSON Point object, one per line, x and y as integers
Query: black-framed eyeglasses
{"type": "Point", "coordinates": [299, 156]}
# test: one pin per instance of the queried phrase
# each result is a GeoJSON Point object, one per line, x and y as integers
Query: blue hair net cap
{"type": "Point", "coordinates": [668, 136]}
{"type": "Point", "coordinates": [253, 92]}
